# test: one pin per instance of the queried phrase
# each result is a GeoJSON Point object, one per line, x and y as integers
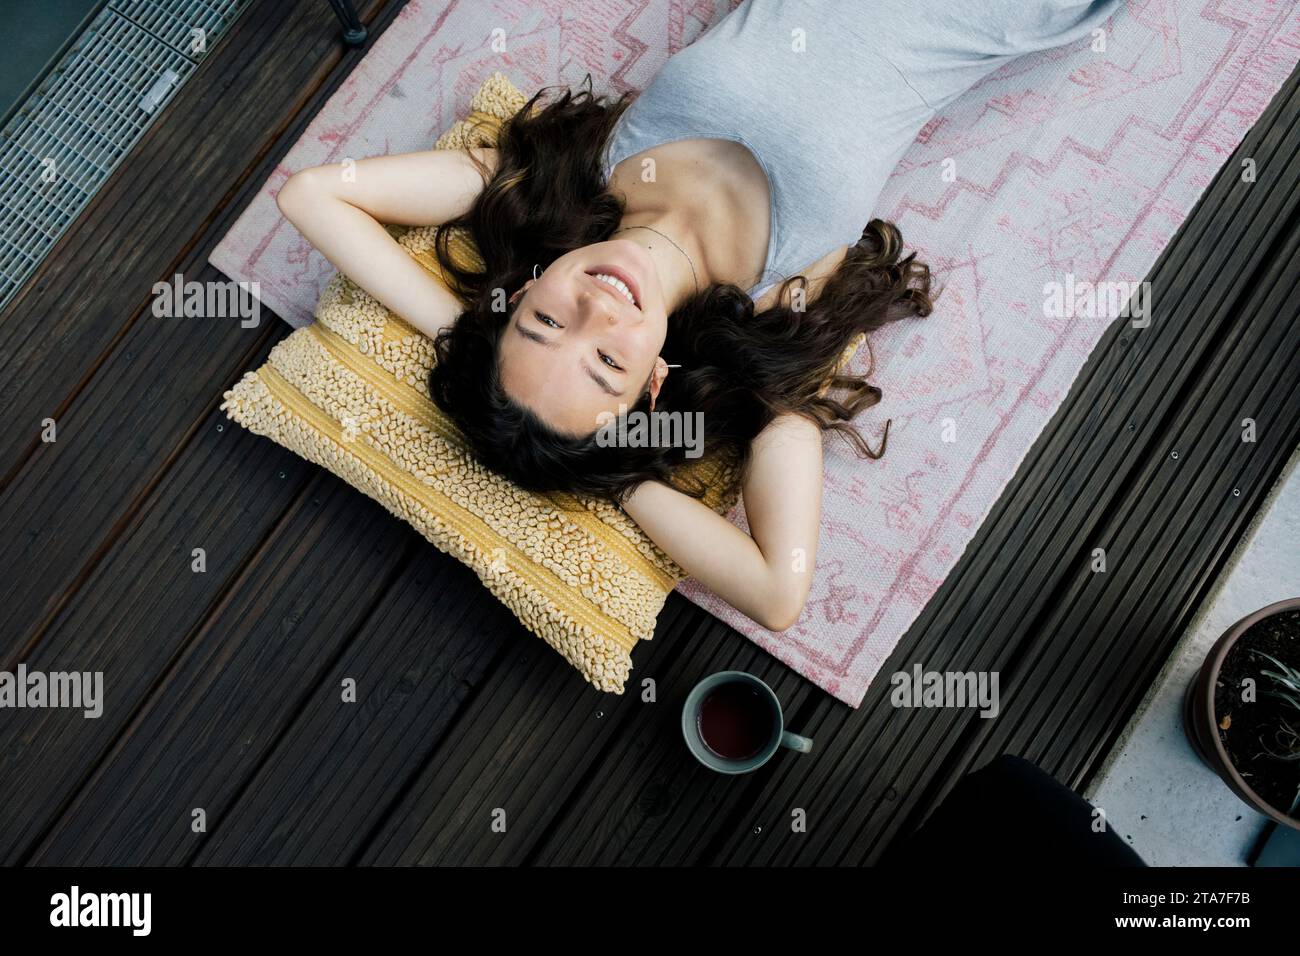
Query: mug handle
{"type": "Point", "coordinates": [803, 745]}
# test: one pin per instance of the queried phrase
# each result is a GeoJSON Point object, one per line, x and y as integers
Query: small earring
{"type": "Point", "coordinates": [674, 366]}
{"type": "Point", "coordinates": [535, 275]}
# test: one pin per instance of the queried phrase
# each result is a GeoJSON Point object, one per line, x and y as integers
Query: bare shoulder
{"type": "Point", "coordinates": [788, 432]}
{"type": "Point", "coordinates": [817, 274]}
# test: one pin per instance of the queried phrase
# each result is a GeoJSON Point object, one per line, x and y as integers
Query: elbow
{"type": "Point", "coordinates": [293, 192]}
{"type": "Point", "coordinates": [784, 606]}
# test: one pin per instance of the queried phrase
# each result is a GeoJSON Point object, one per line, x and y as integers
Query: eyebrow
{"type": "Point", "coordinates": [544, 341]}
{"type": "Point", "coordinates": [605, 386]}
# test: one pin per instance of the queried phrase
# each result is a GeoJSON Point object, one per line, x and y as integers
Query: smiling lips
{"type": "Point", "coordinates": [618, 280]}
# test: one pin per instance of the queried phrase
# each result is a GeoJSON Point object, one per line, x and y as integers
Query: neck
{"type": "Point", "coordinates": [674, 269]}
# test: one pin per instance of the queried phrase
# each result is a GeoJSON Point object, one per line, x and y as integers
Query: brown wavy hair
{"type": "Point", "coordinates": [740, 367]}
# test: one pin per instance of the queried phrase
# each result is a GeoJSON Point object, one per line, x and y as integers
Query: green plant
{"type": "Point", "coordinates": [1286, 688]}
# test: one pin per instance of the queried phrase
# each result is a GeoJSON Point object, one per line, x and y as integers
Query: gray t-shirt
{"type": "Point", "coordinates": [829, 94]}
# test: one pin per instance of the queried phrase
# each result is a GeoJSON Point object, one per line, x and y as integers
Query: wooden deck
{"type": "Point", "coordinates": [222, 687]}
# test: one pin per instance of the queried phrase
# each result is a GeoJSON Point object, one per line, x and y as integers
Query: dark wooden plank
{"type": "Point", "coordinates": [643, 804]}
{"type": "Point", "coordinates": [127, 398]}
{"type": "Point", "coordinates": [1186, 516]}
{"type": "Point", "coordinates": [184, 179]}
{"type": "Point", "coordinates": [135, 467]}
{"type": "Point", "coordinates": [138, 611]}
{"type": "Point", "coordinates": [116, 444]}
{"type": "Point", "coordinates": [334, 775]}
{"type": "Point", "coordinates": [532, 737]}
{"type": "Point", "coordinates": [218, 711]}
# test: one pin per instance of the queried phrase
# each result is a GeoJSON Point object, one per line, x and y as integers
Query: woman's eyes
{"type": "Point", "coordinates": [547, 320]}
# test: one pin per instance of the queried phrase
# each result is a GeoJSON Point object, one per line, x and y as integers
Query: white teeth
{"type": "Point", "coordinates": [617, 284]}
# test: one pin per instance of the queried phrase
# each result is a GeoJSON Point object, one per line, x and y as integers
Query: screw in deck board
{"type": "Point", "coordinates": [354, 31]}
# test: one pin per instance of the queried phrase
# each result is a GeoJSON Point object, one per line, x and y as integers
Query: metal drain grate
{"type": "Point", "coordinates": [60, 145]}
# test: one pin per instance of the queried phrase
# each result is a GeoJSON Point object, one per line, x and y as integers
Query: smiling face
{"type": "Point", "coordinates": [585, 336]}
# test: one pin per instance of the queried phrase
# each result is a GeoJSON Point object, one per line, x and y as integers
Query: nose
{"type": "Point", "coordinates": [597, 306]}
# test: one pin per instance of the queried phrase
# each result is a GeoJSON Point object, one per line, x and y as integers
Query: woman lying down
{"type": "Point", "coordinates": [697, 249]}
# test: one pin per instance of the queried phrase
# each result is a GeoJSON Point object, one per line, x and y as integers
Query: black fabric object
{"type": "Point", "coordinates": [1011, 812]}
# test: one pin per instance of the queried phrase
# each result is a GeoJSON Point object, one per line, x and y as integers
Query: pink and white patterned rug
{"type": "Point", "coordinates": [1077, 164]}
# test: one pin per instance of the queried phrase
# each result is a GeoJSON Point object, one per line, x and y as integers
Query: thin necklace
{"type": "Point", "coordinates": [679, 249]}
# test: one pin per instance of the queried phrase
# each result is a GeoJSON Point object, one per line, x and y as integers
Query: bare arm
{"type": "Point", "coordinates": [338, 208]}
{"type": "Point", "coordinates": [766, 574]}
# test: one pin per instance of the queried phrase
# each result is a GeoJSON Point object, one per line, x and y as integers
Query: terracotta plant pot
{"type": "Point", "coordinates": [1200, 722]}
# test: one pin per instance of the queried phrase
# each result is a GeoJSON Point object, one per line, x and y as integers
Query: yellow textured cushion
{"type": "Point", "coordinates": [350, 392]}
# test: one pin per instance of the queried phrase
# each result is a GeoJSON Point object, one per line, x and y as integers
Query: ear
{"type": "Point", "coordinates": [521, 290]}
{"type": "Point", "coordinates": [657, 379]}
